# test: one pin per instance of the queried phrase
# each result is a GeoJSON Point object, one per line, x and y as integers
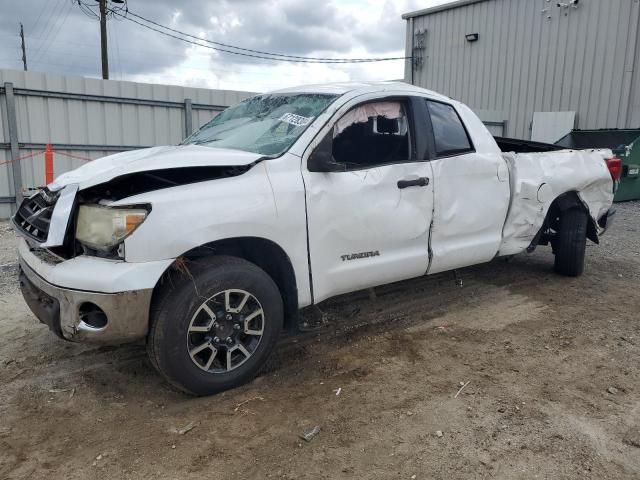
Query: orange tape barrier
{"type": "Point", "coordinates": [77, 157]}
{"type": "Point", "coordinates": [32, 154]}
{"type": "Point", "coordinates": [48, 160]}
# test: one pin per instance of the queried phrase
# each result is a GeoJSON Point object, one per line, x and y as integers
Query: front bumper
{"type": "Point", "coordinates": [70, 310]}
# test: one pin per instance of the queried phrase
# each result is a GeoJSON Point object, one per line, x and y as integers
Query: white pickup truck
{"type": "Point", "coordinates": [208, 249]}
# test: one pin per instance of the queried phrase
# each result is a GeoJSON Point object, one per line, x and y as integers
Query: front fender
{"type": "Point", "coordinates": [188, 216]}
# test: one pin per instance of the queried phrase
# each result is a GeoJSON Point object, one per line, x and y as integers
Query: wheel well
{"type": "Point", "coordinates": [269, 257]}
{"type": "Point", "coordinates": [565, 202]}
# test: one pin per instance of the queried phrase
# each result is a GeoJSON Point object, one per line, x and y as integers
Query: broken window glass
{"type": "Point", "coordinates": [372, 134]}
{"type": "Point", "coordinates": [265, 124]}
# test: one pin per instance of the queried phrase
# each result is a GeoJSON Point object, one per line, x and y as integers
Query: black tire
{"type": "Point", "coordinates": [571, 243]}
{"type": "Point", "coordinates": [181, 296]}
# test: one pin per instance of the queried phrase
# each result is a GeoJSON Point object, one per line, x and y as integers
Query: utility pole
{"type": "Point", "coordinates": [103, 39]}
{"type": "Point", "coordinates": [24, 48]}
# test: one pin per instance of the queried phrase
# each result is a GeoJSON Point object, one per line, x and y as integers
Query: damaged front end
{"type": "Point", "coordinates": [76, 295]}
{"type": "Point", "coordinates": [131, 184]}
{"type": "Point", "coordinates": [101, 227]}
{"type": "Point", "coordinates": [73, 270]}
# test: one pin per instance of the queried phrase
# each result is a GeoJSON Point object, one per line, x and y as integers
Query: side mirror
{"type": "Point", "coordinates": [321, 159]}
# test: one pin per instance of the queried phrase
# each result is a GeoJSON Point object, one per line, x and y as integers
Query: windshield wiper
{"type": "Point", "coordinates": [204, 142]}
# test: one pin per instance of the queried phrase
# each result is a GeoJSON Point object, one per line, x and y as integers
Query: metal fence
{"type": "Point", "coordinates": [85, 119]}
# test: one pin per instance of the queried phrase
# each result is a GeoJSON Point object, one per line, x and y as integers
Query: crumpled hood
{"type": "Point", "coordinates": [157, 158]}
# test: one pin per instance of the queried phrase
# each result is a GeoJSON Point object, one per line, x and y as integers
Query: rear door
{"type": "Point", "coordinates": [471, 188]}
{"type": "Point", "coordinates": [369, 224]}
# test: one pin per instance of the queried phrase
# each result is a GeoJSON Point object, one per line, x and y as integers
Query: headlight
{"type": "Point", "coordinates": [103, 228]}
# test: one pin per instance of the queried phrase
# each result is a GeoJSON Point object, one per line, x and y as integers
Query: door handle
{"type": "Point", "coordinates": [418, 182]}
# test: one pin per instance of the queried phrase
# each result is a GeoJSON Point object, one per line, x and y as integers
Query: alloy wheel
{"type": "Point", "coordinates": [225, 331]}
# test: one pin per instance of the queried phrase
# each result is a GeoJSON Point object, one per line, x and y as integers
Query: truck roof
{"type": "Point", "coordinates": [341, 88]}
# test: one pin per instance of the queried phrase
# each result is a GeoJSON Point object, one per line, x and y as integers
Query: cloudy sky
{"type": "Point", "coordinates": [62, 39]}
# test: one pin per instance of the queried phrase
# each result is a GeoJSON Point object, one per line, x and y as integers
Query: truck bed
{"type": "Point", "coordinates": [537, 179]}
{"type": "Point", "coordinates": [525, 146]}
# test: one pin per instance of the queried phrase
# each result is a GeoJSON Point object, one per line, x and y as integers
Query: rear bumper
{"type": "Point", "coordinates": [606, 220]}
{"type": "Point", "coordinates": [83, 315]}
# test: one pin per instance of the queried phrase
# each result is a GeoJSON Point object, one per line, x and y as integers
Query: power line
{"type": "Point", "coordinates": [37, 22]}
{"type": "Point", "coordinates": [64, 52]}
{"type": "Point", "coordinates": [63, 20]}
{"type": "Point", "coordinates": [262, 56]}
{"type": "Point", "coordinates": [113, 35]}
{"type": "Point", "coordinates": [104, 10]}
{"type": "Point", "coordinates": [86, 9]}
{"type": "Point", "coordinates": [53, 55]}
{"type": "Point", "coordinates": [51, 19]}
{"type": "Point", "coordinates": [47, 27]}
{"type": "Point", "coordinates": [259, 52]}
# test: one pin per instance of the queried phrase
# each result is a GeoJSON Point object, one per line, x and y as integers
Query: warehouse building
{"type": "Point", "coordinates": [532, 69]}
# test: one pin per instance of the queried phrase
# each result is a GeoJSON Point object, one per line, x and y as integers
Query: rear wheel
{"type": "Point", "coordinates": [571, 242]}
{"type": "Point", "coordinates": [215, 325]}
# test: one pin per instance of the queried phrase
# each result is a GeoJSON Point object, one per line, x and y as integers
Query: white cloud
{"type": "Point", "coordinates": [337, 28]}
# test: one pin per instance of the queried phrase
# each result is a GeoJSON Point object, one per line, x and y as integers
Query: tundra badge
{"type": "Point", "coordinates": [355, 256]}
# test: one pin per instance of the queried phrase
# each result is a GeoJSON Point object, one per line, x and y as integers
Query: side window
{"type": "Point", "coordinates": [449, 133]}
{"type": "Point", "coordinates": [372, 134]}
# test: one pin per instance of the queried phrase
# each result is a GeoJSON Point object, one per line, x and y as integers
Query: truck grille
{"type": "Point", "coordinates": [34, 215]}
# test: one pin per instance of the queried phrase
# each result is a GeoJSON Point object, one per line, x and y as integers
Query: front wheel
{"type": "Point", "coordinates": [571, 243]}
{"type": "Point", "coordinates": [214, 326]}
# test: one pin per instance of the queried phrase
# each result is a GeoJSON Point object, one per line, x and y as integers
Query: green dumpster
{"type": "Point", "coordinates": [625, 144]}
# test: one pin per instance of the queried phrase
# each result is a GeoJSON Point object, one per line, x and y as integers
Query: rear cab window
{"type": "Point", "coordinates": [450, 135]}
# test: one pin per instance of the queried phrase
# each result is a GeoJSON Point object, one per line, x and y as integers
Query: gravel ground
{"type": "Point", "coordinates": [8, 253]}
{"type": "Point", "coordinates": [550, 369]}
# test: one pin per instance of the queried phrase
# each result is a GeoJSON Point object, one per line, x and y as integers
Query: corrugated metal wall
{"type": "Point", "coordinates": [533, 56]}
{"type": "Point", "coordinates": [85, 122]}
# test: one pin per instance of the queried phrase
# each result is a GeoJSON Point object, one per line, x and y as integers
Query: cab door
{"type": "Point", "coordinates": [472, 192]}
{"type": "Point", "coordinates": [369, 223]}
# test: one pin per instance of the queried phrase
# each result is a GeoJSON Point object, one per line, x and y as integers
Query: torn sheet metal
{"type": "Point", "coordinates": [537, 179]}
{"type": "Point", "coordinates": [149, 159]}
{"type": "Point", "coordinates": [61, 216]}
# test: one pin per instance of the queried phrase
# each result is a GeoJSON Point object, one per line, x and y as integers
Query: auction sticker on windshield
{"type": "Point", "coordinates": [297, 120]}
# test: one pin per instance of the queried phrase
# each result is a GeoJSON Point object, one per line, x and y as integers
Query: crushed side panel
{"type": "Point", "coordinates": [537, 179]}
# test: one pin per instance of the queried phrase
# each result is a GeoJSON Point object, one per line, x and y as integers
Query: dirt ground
{"type": "Point", "coordinates": [551, 368]}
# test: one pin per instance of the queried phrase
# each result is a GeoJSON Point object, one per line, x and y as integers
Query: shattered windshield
{"type": "Point", "coordinates": [265, 124]}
